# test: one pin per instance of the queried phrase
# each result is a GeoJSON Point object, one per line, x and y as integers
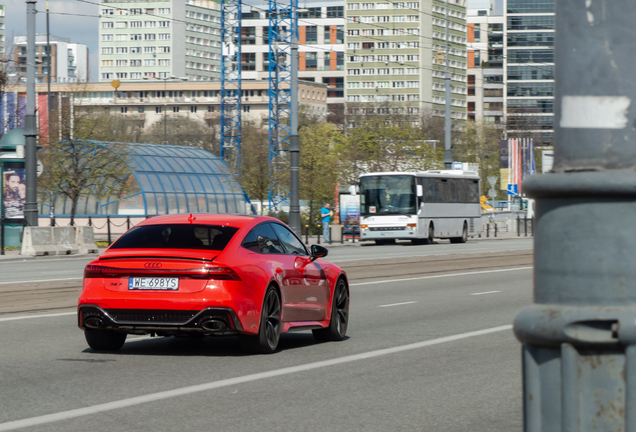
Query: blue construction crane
{"type": "Point", "coordinates": [231, 35]}
{"type": "Point", "coordinates": [283, 28]}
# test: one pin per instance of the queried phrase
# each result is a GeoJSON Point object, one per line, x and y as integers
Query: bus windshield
{"type": "Point", "coordinates": [384, 195]}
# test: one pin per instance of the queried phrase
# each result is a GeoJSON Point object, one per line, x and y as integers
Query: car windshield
{"type": "Point", "coordinates": [176, 236]}
{"type": "Point", "coordinates": [394, 194]}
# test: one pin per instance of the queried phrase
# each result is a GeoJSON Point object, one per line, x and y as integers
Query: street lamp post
{"type": "Point", "coordinates": [30, 129]}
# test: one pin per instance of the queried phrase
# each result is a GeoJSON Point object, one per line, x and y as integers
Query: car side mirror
{"type": "Point", "coordinates": [318, 251]}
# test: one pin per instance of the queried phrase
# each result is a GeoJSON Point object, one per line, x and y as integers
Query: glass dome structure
{"type": "Point", "coordinates": [167, 179]}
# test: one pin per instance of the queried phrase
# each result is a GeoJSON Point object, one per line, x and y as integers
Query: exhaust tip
{"type": "Point", "coordinates": [94, 322]}
{"type": "Point", "coordinates": [213, 325]}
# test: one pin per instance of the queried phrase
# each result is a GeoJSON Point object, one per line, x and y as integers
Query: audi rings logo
{"type": "Point", "coordinates": [153, 265]}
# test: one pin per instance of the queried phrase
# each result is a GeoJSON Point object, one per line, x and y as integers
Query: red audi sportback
{"type": "Point", "coordinates": [212, 275]}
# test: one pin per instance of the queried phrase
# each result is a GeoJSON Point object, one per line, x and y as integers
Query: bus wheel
{"type": "Point", "coordinates": [431, 234]}
{"type": "Point", "coordinates": [463, 238]}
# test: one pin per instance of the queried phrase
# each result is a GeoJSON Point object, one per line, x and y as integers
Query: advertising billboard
{"type": "Point", "coordinates": [13, 192]}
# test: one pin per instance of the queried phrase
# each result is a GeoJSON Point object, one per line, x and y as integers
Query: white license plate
{"type": "Point", "coordinates": [153, 283]}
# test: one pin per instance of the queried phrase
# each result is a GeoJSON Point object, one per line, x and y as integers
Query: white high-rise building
{"type": "Point", "coordinates": [159, 39]}
{"type": "Point", "coordinates": [69, 61]}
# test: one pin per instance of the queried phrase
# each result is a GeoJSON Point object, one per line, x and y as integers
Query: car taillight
{"type": "Point", "coordinates": [223, 273]}
{"type": "Point", "coordinates": [95, 271]}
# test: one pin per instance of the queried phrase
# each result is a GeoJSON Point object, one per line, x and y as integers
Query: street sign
{"type": "Point", "coordinates": [115, 84]}
{"type": "Point", "coordinates": [493, 180]}
{"type": "Point", "coordinates": [458, 166]}
{"type": "Point", "coordinates": [40, 168]}
{"type": "Point", "coordinates": [513, 189]}
{"type": "Point", "coordinates": [492, 194]}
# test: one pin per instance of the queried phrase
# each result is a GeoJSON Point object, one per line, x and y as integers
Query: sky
{"type": "Point", "coordinates": [80, 29]}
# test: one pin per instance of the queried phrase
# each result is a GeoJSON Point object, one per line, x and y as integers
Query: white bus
{"type": "Point", "coordinates": [419, 206]}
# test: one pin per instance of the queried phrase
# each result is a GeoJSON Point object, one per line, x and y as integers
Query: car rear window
{"type": "Point", "coordinates": [176, 236]}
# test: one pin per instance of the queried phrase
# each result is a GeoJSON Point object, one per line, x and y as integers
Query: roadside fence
{"type": "Point", "coordinates": [521, 225]}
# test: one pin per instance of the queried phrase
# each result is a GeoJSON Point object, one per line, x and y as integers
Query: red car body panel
{"type": "Point", "coordinates": [306, 286]}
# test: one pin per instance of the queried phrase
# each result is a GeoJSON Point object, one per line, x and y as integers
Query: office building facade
{"type": "Point", "coordinates": [320, 52]}
{"type": "Point", "coordinates": [485, 66]}
{"type": "Point", "coordinates": [529, 65]}
{"type": "Point", "coordinates": [159, 40]}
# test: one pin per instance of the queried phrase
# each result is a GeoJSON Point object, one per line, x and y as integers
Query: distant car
{"type": "Point", "coordinates": [181, 275]}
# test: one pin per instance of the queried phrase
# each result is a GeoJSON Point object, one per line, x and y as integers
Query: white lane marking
{"type": "Point", "coordinates": [440, 276]}
{"type": "Point", "coordinates": [41, 280]}
{"type": "Point", "coordinates": [21, 317]}
{"type": "Point", "coordinates": [126, 403]}
{"type": "Point", "coordinates": [398, 255]}
{"type": "Point", "coordinates": [397, 304]}
{"type": "Point", "coordinates": [486, 292]}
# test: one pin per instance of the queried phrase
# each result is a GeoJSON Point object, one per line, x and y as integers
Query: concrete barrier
{"type": "Point", "coordinates": [38, 241]}
{"type": "Point", "coordinates": [65, 242]}
{"type": "Point", "coordinates": [86, 240]}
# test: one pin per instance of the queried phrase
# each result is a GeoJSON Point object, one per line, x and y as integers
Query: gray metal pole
{"type": "Point", "coordinates": [294, 146]}
{"type": "Point", "coordinates": [579, 338]}
{"type": "Point", "coordinates": [30, 129]}
{"type": "Point", "coordinates": [448, 156]}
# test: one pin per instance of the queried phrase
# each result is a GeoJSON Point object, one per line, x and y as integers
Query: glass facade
{"type": "Point", "coordinates": [530, 69]}
{"type": "Point", "coordinates": [168, 179]}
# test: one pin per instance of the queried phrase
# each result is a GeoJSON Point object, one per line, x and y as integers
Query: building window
{"type": "Point", "coordinates": [108, 24]}
{"type": "Point", "coordinates": [353, 6]}
{"type": "Point", "coordinates": [335, 11]}
{"type": "Point", "coordinates": [107, 37]}
{"type": "Point", "coordinates": [311, 35]}
{"type": "Point", "coordinates": [193, 108]}
{"type": "Point", "coordinates": [175, 109]}
{"type": "Point", "coordinates": [246, 108]}
{"type": "Point", "coordinates": [123, 110]}
{"type": "Point", "coordinates": [107, 50]}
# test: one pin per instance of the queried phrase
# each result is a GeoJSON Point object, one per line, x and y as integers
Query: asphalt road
{"type": "Point", "coordinates": [429, 348]}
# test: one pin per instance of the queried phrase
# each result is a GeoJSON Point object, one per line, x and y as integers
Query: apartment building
{"type": "Point", "coordinates": [140, 39]}
{"type": "Point", "coordinates": [320, 52]}
{"type": "Point", "coordinates": [395, 53]}
{"type": "Point", "coordinates": [485, 66]}
{"type": "Point", "coordinates": [69, 61]}
{"type": "Point", "coordinates": [2, 29]}
{"type": "Point", "coordinates": [529, 65]}
{"type": "Point", "coordinates": [145, 103]}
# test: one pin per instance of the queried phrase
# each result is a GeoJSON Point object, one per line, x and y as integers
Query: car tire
{"type": "Point", "coordinates": [269, 330]}
{"type": "Point", "coordinates": [339, 320]}
{"type": "Point", "coordinates": [463, 238]}
{"type": "Point", "coordinates": [105, 340]}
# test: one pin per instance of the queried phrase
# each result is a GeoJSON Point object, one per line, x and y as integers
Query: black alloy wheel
{"type": "Point", "coordinates": [105, 340]}
{"type": "Point", "coordinates": [268, 337]}
{"type": "Point", "coordinates": [339, 315]}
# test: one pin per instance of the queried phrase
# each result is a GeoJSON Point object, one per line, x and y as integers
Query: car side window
{"type": "Point", "coordinates": [263, 240]}
{"type": "Point", "coordinates": [291, 242]}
